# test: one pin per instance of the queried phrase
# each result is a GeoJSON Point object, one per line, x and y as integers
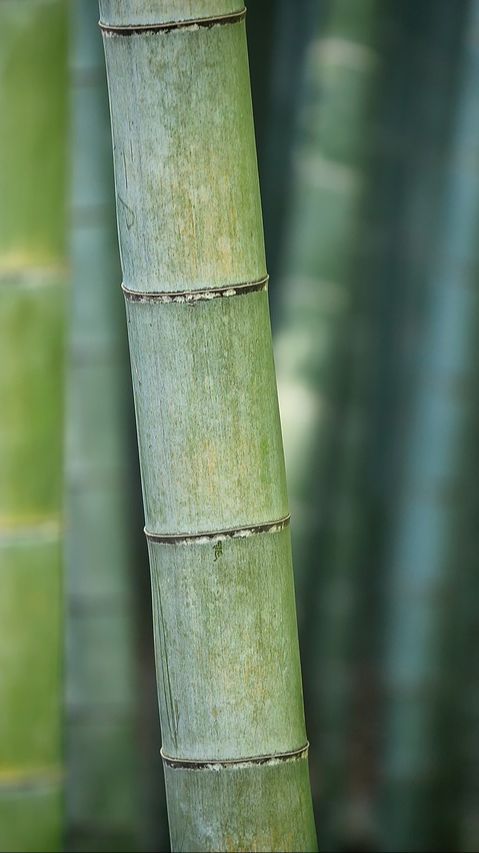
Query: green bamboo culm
{"type": "Point", "coordinates": [102, 749]}
{"type": "Point", "coordinates": [191, 241]}
{"type": "Point", "coordinates": [32, 287]}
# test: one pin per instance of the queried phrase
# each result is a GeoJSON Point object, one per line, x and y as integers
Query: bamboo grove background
{"type": "Point", "coordinates": [367, 130]}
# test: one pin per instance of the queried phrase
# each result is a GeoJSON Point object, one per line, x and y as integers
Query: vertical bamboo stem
{"type": "Point", "coordinates": [234, 742]}
{"type": "Point", "coordinates": [289, 32]}
{"type": "Point", "coordinates": [32, 280]}
{"type": "Point", "coordinates": [418, 805]}
{"type": "Point", "coordinates": [323, 350]}
{"type": "Point", "coordinates": [102, 795]}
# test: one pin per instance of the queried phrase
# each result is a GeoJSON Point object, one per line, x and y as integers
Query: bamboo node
{"type": "Point", "coordinates": [215, 536]}
{"type": "Point", "coordinates": [169, 26]}
{"type": "Point", "coordinates": [235, 763]}
{"type": "Point", "coordinates": [191, 297]}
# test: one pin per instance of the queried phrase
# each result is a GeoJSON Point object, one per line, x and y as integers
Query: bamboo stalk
{"type": "Point", "coordinates": [323, 349]}
{"type": "Point", "coordinates": [286, 30]}
{"type": "Point", "coordinates": [417, 89]}
{"type": "Point", "coordinates": [319, 308]}
{"type": "Point", "coordinates": [102, 748]}
{"type": "Point", "coordinates": [234, 742]}
{"type": "Point", "coordinates": [32, 279]}
{"type": "Point", "coordinates": [418, 808]}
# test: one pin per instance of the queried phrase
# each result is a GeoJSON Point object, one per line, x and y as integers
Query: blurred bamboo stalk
{"type": "Point", "coordinates": [420, 47]}
{"type": "Point", "coordinates": [323, 354]}
{"type": "Point", "coordinates": [417, 101]}
{"type": "Point", "coordinates": [103, 801]}
{"type": "Point", "coordinates": [208, 425]}
{"type": "Point", "coordinates": [32, 301]}
{"type": "Point", "coordinates": [467, 628]}
{"type": "Point", "coordinates": [279, 32]}
{"type": "Point", "coordinates": [419, 810]}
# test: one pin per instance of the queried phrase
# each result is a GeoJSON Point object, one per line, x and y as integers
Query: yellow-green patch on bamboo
{"type": "Point", "coordinates": [211, 452]}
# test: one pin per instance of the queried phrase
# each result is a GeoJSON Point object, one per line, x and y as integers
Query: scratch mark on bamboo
{"type": "Point", "coordinates": [129, 213]}
{"type": "Point", "coordinates": [171, 706]}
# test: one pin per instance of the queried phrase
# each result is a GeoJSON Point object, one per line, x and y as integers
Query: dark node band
{"type": "Point", "coordinates": [193, 296]}
{"type": "Point", "coordinates": [187, 764]}
{"type": "Point", "coordinates": [137, 29]}
{"type": "Point", "coordinates": [218, 535]}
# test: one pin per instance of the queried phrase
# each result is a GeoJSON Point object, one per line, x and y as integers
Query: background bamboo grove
{"type": "Point", "coordinates": [366, 124]}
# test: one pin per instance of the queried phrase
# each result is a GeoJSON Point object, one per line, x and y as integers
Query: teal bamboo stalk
{"type": "Point", "coordinates": [467, 628]}
{"type": "Point", "coordinates": [417, 808]}
{"type": "Point", "coordinates": [313, 342]}
{"type": "Point", "coordinates": [418, 86]}
{"type": "Point", "coordinates": [103, 796]}
{"type": "Point", "coordinates": [464, 629]}
{"type": "Point", "coordinates": [417, 102]}
{"type": "Point", "coordinates": [32, 288]}
{"type": "Point", "coordinates": [229, 683]}
{"type": "Point", "coordinates": [287, 30]}
{"type": "Point", "coordinates": [323, 353]}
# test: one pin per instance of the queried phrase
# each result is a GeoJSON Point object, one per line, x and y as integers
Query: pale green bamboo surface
{"type": "Point", "coordinates": [102, 749]}
{"type": "Point", "coordinates": [32, 284]}
{"type": "Point", "coordinates": [209, 437]}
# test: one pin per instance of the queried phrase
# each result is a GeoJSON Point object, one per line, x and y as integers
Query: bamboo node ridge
{"type": "Point", "coordinates": [218, 535]}
{"type": "Point", "coordinates": [236, 763]}
{"type": "Point", "coordinates": [193, 296]}
{"type": "Point", "coordinates": [193, 23]}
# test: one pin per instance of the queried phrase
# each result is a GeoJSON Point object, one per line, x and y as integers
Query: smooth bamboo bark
{"type": "Point", "coordinates": [234, 742]}
{"type": "Point", "coordinates": [102, 743]}
{"type": "Point", "coordinates": [32, 285]}
{"type": "Point", "coordinates": [418, 806]}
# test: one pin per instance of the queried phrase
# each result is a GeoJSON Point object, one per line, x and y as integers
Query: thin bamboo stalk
{"type": "Point", "coordinates": [418, 810]}
{"type": "Point", "coordinates": [102, 744]}
{"type": "Point", "coordinates": [234, 742]}
{"type": "Point", "coordinates": [418, 86]}
{"type": "Point", "coordinates": [287, 30]}
{"type": "Point", "coordinates": [314, 339]}
{"type": "Point", "coordinates": [467, 628]}
{"type": "Point", "coordinates": [32, 286]}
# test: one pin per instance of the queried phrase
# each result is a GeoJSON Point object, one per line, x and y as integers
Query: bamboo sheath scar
{"type": "Point", "coordinates": [216, 514]}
